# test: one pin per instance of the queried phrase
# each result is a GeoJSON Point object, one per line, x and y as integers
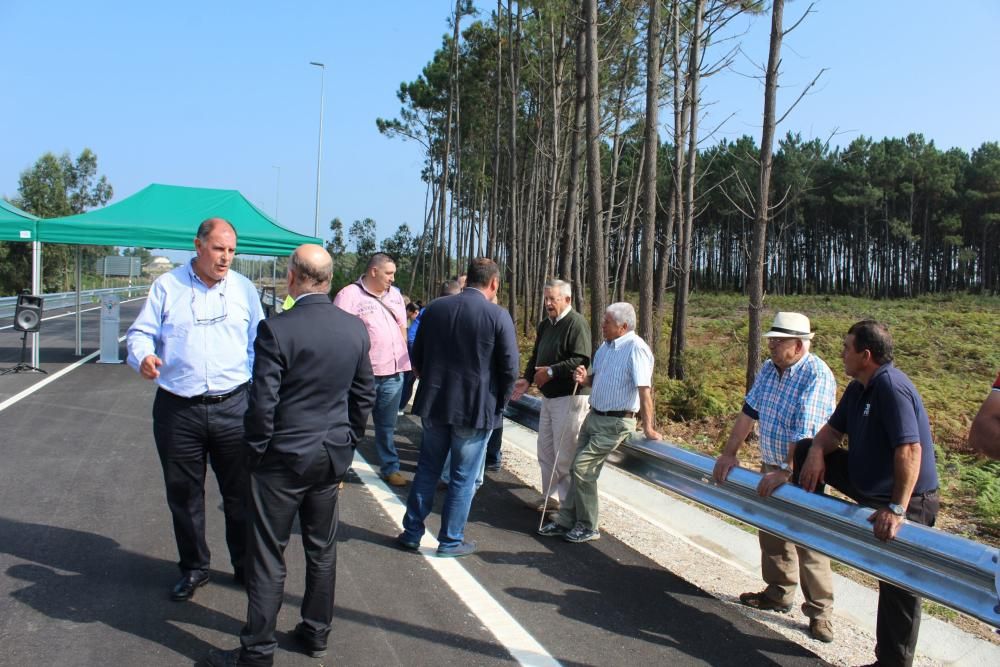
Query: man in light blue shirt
{"type": "Point", "coordinates": [194, 338]}
{"type": "Point", "coordinates": [621, 389]}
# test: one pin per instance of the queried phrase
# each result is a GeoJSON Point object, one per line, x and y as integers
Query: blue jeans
{"type": "Point", "coordinates": [387, 391]}
{"type": "Point", "coordinates": [446, 469]}
{"type": "Point", "coordinates": [467, 447]}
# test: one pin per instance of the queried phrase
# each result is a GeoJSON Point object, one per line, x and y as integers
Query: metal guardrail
{"type": "Point", "coordinates": [67, 299]}
{"type": "Point", "coordinates": [954, 571]}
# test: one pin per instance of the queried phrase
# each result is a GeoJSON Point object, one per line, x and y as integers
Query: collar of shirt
{"type": "Point", "coordinates": [307, 294]}
{"type": "Point", "coordinates": [793, 370]}
{"type": "Point", "coordinates": [561, 315]}
{"type": "Point", "coordinates": [621, 340]}
{"type": "Point", "coordinates": [196, 279]}
{"type": "Point", "coordinates": [361, 282]}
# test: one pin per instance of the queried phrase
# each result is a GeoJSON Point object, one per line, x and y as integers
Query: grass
{"type": "Point", "coordinates": [949, 346]}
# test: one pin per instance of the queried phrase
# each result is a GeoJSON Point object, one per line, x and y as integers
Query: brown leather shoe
{"type": "Point", "coordinates": [821, 629]}
{"type": "Point", "coordinates": [395, 479]}
{"type": "Point", "coordinates": [761, 601]}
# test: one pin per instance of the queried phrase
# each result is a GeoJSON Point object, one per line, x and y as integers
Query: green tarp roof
{"type": "Point", "coordinates": [15, 224]}
{"type": "Point", "coordinates": [167, 216]}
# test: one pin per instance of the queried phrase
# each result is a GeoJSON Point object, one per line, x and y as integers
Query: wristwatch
{"type": "Point", "coordinates": [898, 510]}
{"type": "Point", "coordinates": [785, 466]}
{"type": "Point", "coordinates": [549, 371]}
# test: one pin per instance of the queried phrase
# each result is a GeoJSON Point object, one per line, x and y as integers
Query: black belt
{"type": "Point", "coordinates": [209, 399]}
{"type": "Point", "coordinates": [621, 414]}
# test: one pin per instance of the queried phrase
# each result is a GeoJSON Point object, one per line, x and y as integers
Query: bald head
{"type": "Point", "coordinates": [310, 269]}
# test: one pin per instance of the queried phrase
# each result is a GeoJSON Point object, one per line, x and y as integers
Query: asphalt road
{"type": "Point", "coordinates": [87, 556]}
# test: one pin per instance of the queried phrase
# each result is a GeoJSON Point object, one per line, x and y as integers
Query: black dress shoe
{"type": "Point", "coordinates": [217, 658]}
{"type": "Point", "coordinates": [184, 589]}
{"type": "Point", "coordinates": [310, 645]}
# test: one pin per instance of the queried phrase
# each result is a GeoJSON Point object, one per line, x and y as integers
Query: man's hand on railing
{"type": "Point", "coordinates": [770, 482]}
{"type": "Point", "coordinates": [886, 524]}
{"type": "Point", "coordinates": [813, 470]}
{"type": "Point", "coordinates": [723, 465]}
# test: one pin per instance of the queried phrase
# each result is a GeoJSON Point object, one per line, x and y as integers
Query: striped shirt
{"type": "Point", "coordinates": [792, 405]}
{"type": "Point", "coordinates": [620, 367]}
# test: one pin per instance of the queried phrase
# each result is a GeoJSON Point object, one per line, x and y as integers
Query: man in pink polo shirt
{"type": "Point", "coordinates": [380, 306]}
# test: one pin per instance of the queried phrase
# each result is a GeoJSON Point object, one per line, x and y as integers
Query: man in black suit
{"type": "Point", "coordinates": [466, 357]}
{"type": "Point", "coordinates": [310, 398]}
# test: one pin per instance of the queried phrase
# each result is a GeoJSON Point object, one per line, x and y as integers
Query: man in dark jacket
{"type": "Point", "coordinates": [466, 357]}
{"type": "Point", "coordinates": [311, 395]}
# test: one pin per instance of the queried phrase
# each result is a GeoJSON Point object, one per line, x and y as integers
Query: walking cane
{"type": "Point", "coordinates": [552, 475]}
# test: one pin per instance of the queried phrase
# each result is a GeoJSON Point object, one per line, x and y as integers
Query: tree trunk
{"type": "Point", "coordinates": [651, 144]}
{"type": "Point", "coordinates": [678, 333]}
{"type": "Point", "coordinates": [598, 264]}
{"type": "Point", "coordinates": [757, 253]}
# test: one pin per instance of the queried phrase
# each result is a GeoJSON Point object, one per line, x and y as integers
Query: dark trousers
{"type": "Point", "coordinates": [409, 379]}
{"type": "Point", "coordinates": [493, 453]}
{"type": "Point", "coordinates": [188, 435]}
{"type": "Point", "coordinates": [277, 495]}
{"type": "Point", "coordinates": [897, 623]}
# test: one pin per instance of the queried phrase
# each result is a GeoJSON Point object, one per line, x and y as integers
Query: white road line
{"type": "Point", "coordinates": [51, 378]}
{"type": "Point", "coordinates": [512, 635]}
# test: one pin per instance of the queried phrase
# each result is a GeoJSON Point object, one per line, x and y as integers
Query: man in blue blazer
{"type": "Point", "coordinates": [311, 395]}
{"type": "Point", "coordinates": [466, 357]}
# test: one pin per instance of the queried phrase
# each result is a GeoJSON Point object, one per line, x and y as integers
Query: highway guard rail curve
{"type": "Point", "coordinates": [951, 570]}
{"type": "Point", "coordinates": [8, 304]}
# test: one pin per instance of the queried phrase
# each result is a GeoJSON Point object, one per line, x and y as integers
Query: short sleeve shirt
{"type": "Point", "coordinates": [877, 419]}
{"type": "Point", "coordinates": [384, 317]}
{"type": "Point", "coordinates": [792, 405]}
{"type": "Point", "coordinates": [620, 367]}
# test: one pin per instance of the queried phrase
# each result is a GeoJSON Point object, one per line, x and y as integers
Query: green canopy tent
{"type": "Point", "coordinates": [167, 216]}
{"type": "Point", "coordinates": [15, 224]}
{"type": "Point", "coordinates": [160, 216]}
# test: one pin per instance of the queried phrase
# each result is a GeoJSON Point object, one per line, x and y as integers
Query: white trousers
{"type": "Point", "coordinates": [558, 427]}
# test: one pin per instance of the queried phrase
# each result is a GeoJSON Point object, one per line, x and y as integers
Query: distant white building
{"type": "Point", "coordinates": [157, 266]}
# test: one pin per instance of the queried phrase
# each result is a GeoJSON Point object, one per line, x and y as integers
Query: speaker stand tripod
{"type": "Point", "coordinates": [23, 366]}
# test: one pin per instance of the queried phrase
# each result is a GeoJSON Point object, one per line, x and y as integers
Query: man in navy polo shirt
{"type": "Point", "coordinates": [888, 466]}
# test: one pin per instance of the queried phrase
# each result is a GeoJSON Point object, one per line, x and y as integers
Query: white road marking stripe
{"type": "Point", "coordinates": [512, 635]}
{"type": "Point", "coordinates": [52, 378]}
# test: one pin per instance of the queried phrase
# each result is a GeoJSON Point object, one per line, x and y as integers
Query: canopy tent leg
{"type": "Point", "coordinates": [36, 288]}
{"type": "Point", "coordinates": [79, 278]}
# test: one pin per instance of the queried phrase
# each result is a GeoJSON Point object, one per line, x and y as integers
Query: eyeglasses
{"type": "Point", "coordinates": [205, 321]}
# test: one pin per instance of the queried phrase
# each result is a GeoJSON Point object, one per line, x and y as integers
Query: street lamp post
{"type": "Point", "coordinates": [277, 189]}
{"type": "Point", "coordinates": [319, 147]}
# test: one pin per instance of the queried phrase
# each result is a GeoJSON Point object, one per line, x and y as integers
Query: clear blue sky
{"type": "Point", "coordinates": [217, 94]}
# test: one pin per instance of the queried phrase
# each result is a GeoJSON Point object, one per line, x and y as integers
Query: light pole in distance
{"type": "Point", "coordinates": [319, 146]}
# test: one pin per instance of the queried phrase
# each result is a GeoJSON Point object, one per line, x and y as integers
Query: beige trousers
{"type": "Point", "coordinates": [785, 565]}
{"type": "Point", "coordinates": [561, 416]}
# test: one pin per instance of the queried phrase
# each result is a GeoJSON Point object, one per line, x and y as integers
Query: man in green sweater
{"type": "Point", "coordinates": [562, 343]}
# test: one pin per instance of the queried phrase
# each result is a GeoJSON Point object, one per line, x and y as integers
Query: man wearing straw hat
{"type": "Point", "coordinates": [792, 396]}
{"type": "Point", "coordinates": [622, 379]}
{"type": "Point", "coordinates": [562, 343]}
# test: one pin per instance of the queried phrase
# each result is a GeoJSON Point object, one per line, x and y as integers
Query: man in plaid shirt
{"type": "Point", "coordinates": [791, 398]}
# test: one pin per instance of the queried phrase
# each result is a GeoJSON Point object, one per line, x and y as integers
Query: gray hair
{"type": "Point", "coordinates": [560, 286]}
{"type": "Point", "coordinates": [622, 313]}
